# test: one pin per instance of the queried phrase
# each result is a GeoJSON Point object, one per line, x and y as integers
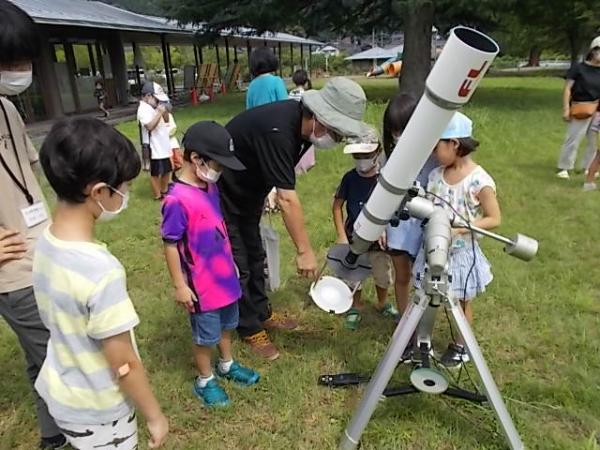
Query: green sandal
{"type": "Point", "coordinates": [352, 320]}
{"type": "Point", "coordinates": [390, 311]}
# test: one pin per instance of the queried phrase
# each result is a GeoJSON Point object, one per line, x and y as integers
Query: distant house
{"type": "Point", "coordinates": [374, 56]}
{"type": "Point", "coordinates": [329, 50]}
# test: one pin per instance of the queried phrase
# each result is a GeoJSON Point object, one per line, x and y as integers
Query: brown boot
{"type": "Point", "coordinates": [280, 322]}
{"type": "Point", "coordinates": [262, 345]}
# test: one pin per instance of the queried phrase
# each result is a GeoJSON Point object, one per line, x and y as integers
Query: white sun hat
{"type": "Point", "coordinates": [368, 142]}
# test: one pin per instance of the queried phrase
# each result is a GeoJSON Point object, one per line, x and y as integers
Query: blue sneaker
{"type": "Point", "coordinates": [240, 374]}
{"type": "Point", "coordinates": [212, 394]}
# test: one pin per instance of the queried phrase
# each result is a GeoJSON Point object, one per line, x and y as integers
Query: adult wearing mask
{"type": "Point", "coordinates": [269, 141]}
{"type": "Point", "coordinates": [580, 102]}
{"type": "Point", "coordinates": [23, 212]}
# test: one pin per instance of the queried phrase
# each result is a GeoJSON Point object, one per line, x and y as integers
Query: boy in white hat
{"type": "Point", "coordinates": [354, 190]}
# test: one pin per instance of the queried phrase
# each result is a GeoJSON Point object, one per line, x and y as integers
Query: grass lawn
{"type": "Point", "coordinates": [537, 324]}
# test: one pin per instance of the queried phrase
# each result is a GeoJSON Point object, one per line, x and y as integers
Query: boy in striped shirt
{"type": "Point", "coordinates": [92, 377]}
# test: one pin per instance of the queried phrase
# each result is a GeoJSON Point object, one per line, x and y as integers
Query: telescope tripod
{"type": "Point", "coordinates": [419, 319]}
{"type": "Point", "coordinates": [423, 378]}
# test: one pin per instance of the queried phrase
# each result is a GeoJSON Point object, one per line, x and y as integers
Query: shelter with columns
{"type": "Point", "coordinates": [63, 84]}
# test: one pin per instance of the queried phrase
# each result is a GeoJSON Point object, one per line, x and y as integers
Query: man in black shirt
{"type": "Point", "coordinates": [269, 141]}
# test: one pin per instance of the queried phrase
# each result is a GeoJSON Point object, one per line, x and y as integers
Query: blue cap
{"type": "Point", "coordinates": [460, 126]}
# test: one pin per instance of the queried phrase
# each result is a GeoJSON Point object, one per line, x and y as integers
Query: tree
{"type": "Point", "coordinates": [419, 16]}
{"type": "Point", "coordinates": [416, 58]}
{"type": "Point", "coordinates": [415, 17]}
{"type": "Point", "coordinates": [570, 24]}
{"type": "Point", "coordinates": [521, 41]}
{"type": "Point", "coordinates": [530, 25]}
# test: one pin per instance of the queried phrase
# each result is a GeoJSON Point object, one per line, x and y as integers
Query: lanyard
{"type": "Point", "coordinates": [22, 186]}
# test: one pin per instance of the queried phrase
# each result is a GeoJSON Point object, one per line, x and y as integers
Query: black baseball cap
{"type": "Point", "coordinates": [213, 140]}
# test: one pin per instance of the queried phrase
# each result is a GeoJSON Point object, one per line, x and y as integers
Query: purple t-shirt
{"type": "Point", "coordinates": [192, 219]}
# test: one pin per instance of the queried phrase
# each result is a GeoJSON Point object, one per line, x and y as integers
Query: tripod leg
{"type": "Point", "coordinates": [384, 372]}
{"type": "Point", "coordinates": [491, 390]}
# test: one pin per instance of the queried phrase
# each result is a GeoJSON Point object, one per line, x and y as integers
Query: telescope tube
{"type": "Point", "coordinates": [462, 64]}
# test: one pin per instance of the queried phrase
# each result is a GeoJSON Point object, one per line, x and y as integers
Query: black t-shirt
{"type": "Point", "coordinates": [586, 86]}
{"type": "Point", "coordinates": [267, 141]}
{"type": "Point", "coordinates": [355, 190]}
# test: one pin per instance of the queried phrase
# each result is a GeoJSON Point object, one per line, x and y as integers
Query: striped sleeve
{"type": "Point", "coordinates": [111, 311]}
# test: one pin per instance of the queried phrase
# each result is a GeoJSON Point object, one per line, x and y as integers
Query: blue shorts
{"type": "Point", "coordinates": [208, 326]}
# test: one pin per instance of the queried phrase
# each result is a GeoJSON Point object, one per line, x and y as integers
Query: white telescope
{"type": "Point", "coordinates": [463, 62]}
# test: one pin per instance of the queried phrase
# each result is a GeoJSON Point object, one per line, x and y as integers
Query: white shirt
{"type": "Point", "coordinates": [296, 93]}
{"type": "Point", "coordinates": [463, 196]}
{"type": "Point", "coordinates": [172, 126]}
{"type": "Point", "coordinates": [160, 142]}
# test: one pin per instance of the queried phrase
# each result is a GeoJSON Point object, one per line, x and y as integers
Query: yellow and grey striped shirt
{"type": "Point", "coordinates": [81, 292]}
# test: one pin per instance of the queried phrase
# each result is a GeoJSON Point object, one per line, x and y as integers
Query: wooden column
{"type": "Point", "coordinates": [165, 52]}
{"type": "Point", "coordinates": [72, 68]}
{"type": "Point", "coordinates": [280, 60]}
{"type": "Point", "coordinates": [100, 58]}
{"type": "Point", "coordinates": [249, 50]}
{"type": "Point", "coordinates": [92, 60]}
{"type": "Point", "coordinates": [196, 60]}
{"type": "Point", "coordinates": [218, 61]}
{"type": "Point", "coordinates": [138, 78]}
{"type": "Point", "coordinates": [227, 51]}
{"type": "Point", "coordinates": [171, 76]}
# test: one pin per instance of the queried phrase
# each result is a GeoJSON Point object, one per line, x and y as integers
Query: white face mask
{"type": "Point", "coordinates": [106, 215]}
{"type": "Point", "coordinates": [365, 165]}
{"type": "Point", "coordinates": [14, 83]}
{"type": "Point", "coordinates": [210, 176]}
{"type": "Point", "coordinates": [325, 141]}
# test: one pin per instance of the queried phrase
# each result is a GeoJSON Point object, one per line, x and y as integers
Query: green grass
{"type": "Point", "coordinates": [537, 324]}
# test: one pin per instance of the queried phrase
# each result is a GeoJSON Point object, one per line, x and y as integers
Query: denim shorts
{"type": "Point", "coordinates": [207, 326]}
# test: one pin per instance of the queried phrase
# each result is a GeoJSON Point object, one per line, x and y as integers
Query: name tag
{"type": "Point", "coordinates": [35, 214]}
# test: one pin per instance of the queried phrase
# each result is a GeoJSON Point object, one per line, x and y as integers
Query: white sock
{"type": "Point", "coordinates": [224, 366]}
{"type": "Point", "coordinates": [203, 381]}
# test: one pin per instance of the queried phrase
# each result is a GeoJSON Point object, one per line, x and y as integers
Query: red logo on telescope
{"type": "Point", "coordinates": [472, 76]}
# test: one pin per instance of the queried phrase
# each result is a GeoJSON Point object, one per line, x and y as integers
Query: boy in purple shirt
{"type": "Point", "coordinates": [200, 260]}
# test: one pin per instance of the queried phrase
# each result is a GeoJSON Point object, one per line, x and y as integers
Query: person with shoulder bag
{"type": "Point", "coordinates": [580, 102]}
